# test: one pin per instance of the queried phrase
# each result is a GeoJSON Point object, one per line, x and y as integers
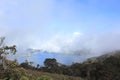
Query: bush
{"type": "Point", "coordinates": [13, 74]}
{"type": "Point", "coordinates": [44, 78]}
{"type": "Point", "coordinates": [24, 78]}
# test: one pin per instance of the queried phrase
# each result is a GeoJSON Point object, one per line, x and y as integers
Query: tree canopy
{"type": "Point", "coordinates": [4, 51]}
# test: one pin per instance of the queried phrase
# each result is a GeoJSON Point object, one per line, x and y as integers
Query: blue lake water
{"type": "Point", "coordinates": [67, 59]}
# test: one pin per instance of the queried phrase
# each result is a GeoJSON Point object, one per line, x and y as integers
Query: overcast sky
{"type": "Point", "coordinates": [61, 25]}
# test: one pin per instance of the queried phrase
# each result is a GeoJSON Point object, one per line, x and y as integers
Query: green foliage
{"type": "Point", "coordinates": [50, 63]}
{"type": "Point", "coordinates": [44, 78]}
{"type": "Point", "coordinates": [13, 73]}
{"type": "Point", "coordinates": [27, 65]}
{"type": "Point", "coordinates": [4, 51]}
{"type": "Point", "coordinates": [24, 78]}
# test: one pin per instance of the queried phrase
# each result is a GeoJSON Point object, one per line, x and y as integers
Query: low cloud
{"type": "Point", "coordinates": [80, 43]}
{"type": "Point", "coordinates": [52, 26]}
{"type": "Point", "coordinates": [74, 43]}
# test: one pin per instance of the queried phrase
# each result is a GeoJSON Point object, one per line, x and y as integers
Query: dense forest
{"type": "Point", "coordinates": [105, 67]}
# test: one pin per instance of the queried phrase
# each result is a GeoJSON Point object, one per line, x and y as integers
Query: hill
{"type": "Point", "coordinates": [105, 67]}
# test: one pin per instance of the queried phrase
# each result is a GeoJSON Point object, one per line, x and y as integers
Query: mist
{"type": "Point", "coordinates": [76, 47]}
{"type": "Point", "coordinates": [69, 27]}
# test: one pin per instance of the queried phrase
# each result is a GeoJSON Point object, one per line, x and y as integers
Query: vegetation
{"type": "Point", "coordinates": [4, 51]}
{"type": "Point", "coordinates": [11, 70]}
{"type": "Point", "coordinates": [106, 67]}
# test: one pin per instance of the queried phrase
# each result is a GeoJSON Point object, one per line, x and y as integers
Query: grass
{"type": "Point", "coordinates": [53, 76]}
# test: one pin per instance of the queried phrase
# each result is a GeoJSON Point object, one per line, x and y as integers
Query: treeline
{"type": "Point", "coordinates": [107, 69]}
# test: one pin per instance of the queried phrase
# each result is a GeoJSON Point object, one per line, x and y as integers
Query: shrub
{"type": "Point", "coordinates": [44, 78]}
{"type": "Point", "coordinates": [24, 78]}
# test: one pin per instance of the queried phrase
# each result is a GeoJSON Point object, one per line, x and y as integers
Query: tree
{"type": "Point", "coordinates": [4, 51]}
{"type": "Point", "coordinates": [38, 66]}
{"type": "Point", "coordinates": [49, 63]}
{"type": "Point", "coordinates": [27, 65]}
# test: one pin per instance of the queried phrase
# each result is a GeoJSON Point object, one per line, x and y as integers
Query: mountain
{"type": "Point", "coordinates": [101, 58]}
{"type": "Point", "coordinates": [105, 67]}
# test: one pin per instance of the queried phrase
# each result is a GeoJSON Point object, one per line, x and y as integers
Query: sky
{"type": "Point", "coordinates": [61, 26]}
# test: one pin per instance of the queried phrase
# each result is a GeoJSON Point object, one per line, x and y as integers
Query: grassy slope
{"type": "Point", "coordinates": [53, 76]}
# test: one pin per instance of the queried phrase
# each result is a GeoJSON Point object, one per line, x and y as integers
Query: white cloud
{"type": "Point", "coordinates": [31, 21]}
{"type": "Point", "coordinates": [77, 43]}
{"type": "Point", "coordinates": [62, 43]}
{"type": "Point", "coordinates": [77, 33]}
